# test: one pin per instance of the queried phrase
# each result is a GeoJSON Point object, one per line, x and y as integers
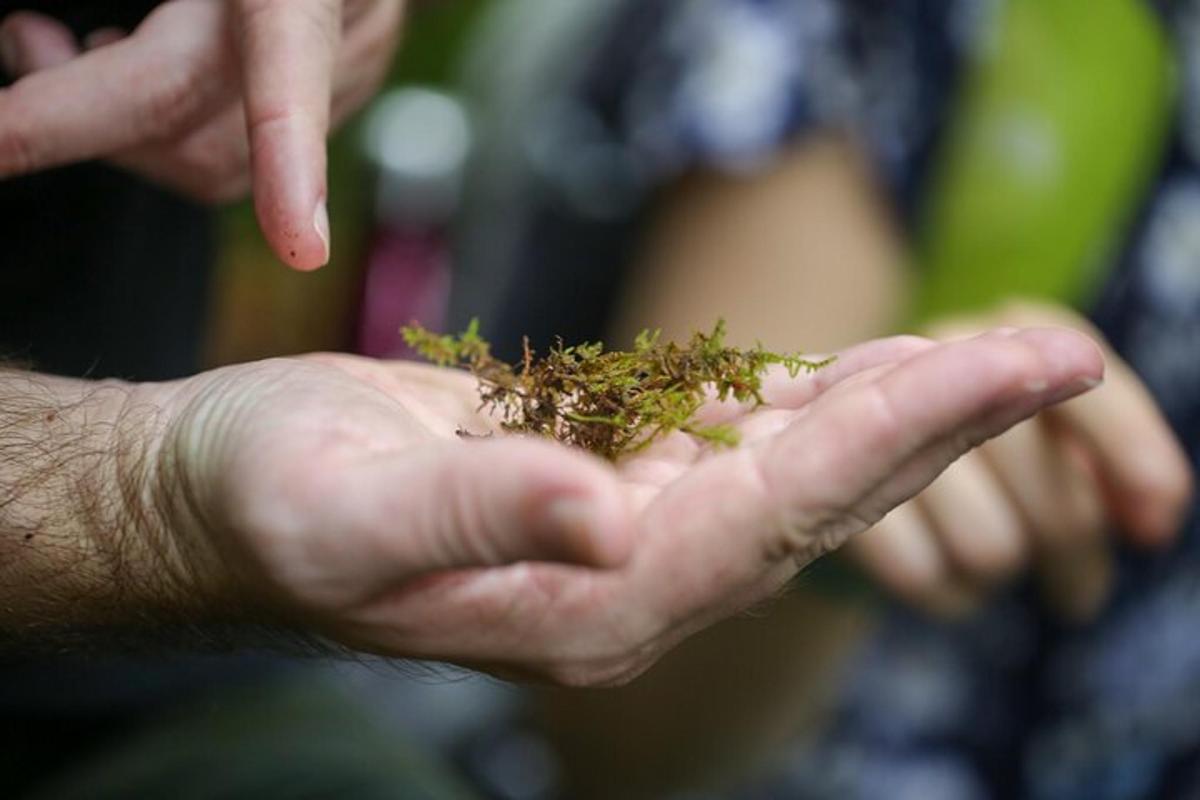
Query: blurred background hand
{"type": "Point", "coordinates": [1048, 496]}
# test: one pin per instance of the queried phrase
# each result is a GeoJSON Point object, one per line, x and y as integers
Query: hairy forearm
{"type": "Point", "coordinates": [81, 541]}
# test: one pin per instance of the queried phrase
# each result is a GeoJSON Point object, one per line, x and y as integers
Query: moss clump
{"type": "Point", "coordinates": [611, 403]}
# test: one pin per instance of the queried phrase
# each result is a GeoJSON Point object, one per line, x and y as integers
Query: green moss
{"type": "Point", "coordinates": [612, 403]}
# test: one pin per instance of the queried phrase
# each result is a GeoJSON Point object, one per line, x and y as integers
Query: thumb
{"type": "Point", "coordinates": [479, 504]}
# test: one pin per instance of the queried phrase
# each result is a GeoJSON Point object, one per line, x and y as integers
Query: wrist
{"type": "Point", "coordinates": [171, 506]}
{"type": "Point", "coordinates": [72, 513]}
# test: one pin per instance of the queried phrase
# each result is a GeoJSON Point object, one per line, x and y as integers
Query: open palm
{"type": "Point", "coordinates": [334, 492]}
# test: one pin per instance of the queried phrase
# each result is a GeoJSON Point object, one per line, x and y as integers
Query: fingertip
{"type": "Point", "coordinates": [583, 507]}
{"type": "Point", "coordinates": [302, 245]}
{"type": "Point", "coordinates": [1154, 516]}
{"type": "Point", "coordinates": [594, 529]}
{"type": "Point", "coordinates": [289, 199]}
{"type": "Point", "coordinates": [1074, 358]}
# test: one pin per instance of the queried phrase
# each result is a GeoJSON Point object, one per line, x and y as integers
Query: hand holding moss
{"type": "Point", "coordinates": [332, 494]}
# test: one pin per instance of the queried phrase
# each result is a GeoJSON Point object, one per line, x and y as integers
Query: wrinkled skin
{"type": "Point", "coordinates": [332, 491]}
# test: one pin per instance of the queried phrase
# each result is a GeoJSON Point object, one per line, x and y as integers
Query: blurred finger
{"type": "Point", "coordinates": [902, 554]}
{"type": "Point", "coordinates": [972, 517]}
{"type": "Point", "coordinates": [1063, 514]}
{"type": "Point", "coordinates": [288, 120]}
{"type": "Point", "coordinates": [1146, 474]}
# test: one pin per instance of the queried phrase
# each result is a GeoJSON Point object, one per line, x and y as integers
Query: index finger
{"type": "Point", "coordinates": [288, 52]}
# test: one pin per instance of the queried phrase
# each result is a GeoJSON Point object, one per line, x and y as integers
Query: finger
{"type": "Point", "coordinates": [781, 390]}
{"type": "Point", "coordinates": [1063, 514]}
{"type": "Point", "coordinates": [903, 555]}
{"type": "Point", "coordinates": [460, 505]}
{"type": "Point", "coordinates": [1146, 474]}
{"type": "Point", "coordinates": [30, 42]}
{"type": "Point", "coordinates": [974, 520]}
{"type": "Point", "coordinates": [877, 444]}
{"type": "Point", "coordinates": [142, 89]}
{"type": "Point", "coordinates": [288, 52]}
{"type": "Point", "coordinates": [853, 454]}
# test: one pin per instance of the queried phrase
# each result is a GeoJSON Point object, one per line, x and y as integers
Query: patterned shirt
{"type": "Point", "coordinates": [1010, 704]}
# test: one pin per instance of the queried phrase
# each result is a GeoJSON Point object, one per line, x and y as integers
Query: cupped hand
{"type": "Point", "coordinates": [209, 97]}
{"type": "Point", "coordinates": [333, 493]}
{"type": "Point", "coordinates": [1047, 497]}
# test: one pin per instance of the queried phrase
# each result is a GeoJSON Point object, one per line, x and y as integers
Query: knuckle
{"type": "Point", "coordinates": [878, 419]}
{"type": "Point", "coordinates": [170, 105]}
{"type": "Point", "coordinates": [805, 541]}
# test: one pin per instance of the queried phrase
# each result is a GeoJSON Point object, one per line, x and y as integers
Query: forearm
{"type": "Point", "coordinates": [82, 540]}
{"type": "Point", "coordinates": [804, 256]}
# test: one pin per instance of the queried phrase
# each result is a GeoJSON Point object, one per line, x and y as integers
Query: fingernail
{"type": "Point", "coordinates": [321, 223]}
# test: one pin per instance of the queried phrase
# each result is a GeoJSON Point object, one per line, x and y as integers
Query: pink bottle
{"type": "Point", "coordinates": [417, 141]}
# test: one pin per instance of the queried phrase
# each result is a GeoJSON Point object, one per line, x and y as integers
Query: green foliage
{"type": "Point", "coordinates": [612, 403]}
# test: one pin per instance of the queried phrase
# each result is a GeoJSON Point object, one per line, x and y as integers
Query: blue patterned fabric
{"type": "Point", "coordinates": [1011, 704]}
